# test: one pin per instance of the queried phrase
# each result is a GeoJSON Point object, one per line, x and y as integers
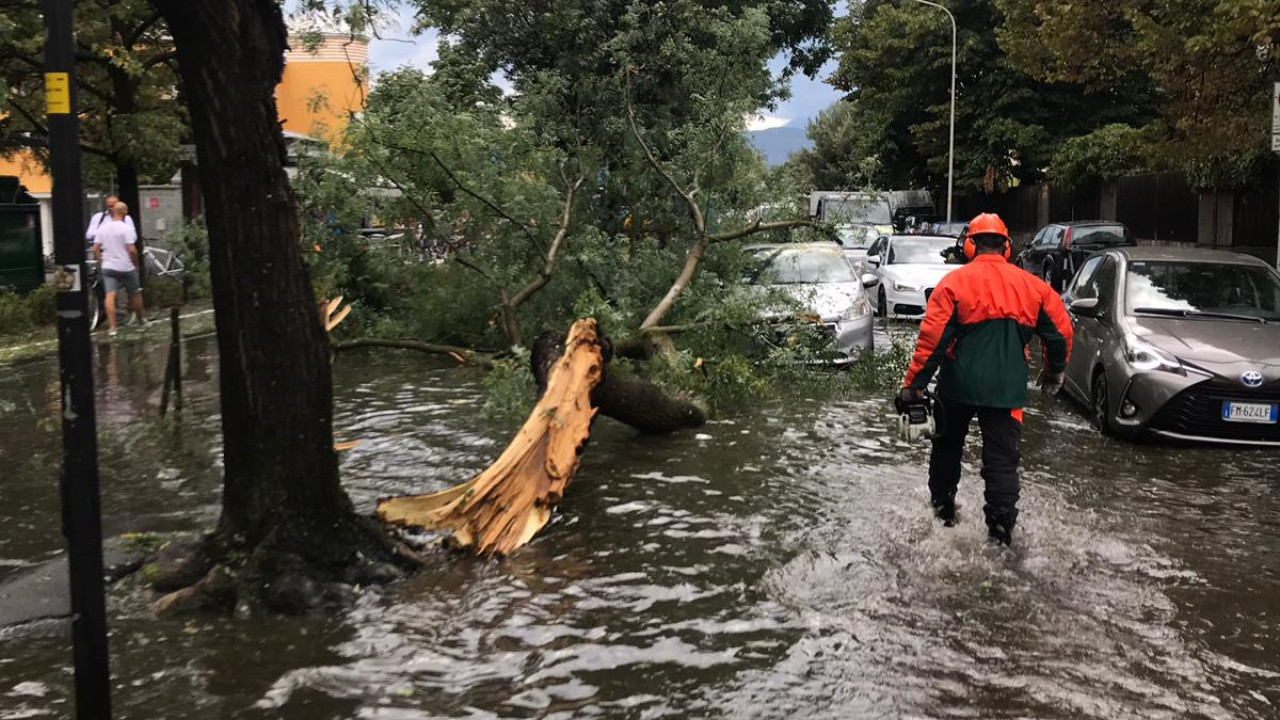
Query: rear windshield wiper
{"type": "Point", "coordinates": [1180, 312]}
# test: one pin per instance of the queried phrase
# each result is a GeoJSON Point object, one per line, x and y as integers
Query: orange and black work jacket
{"type": "Point", "coordinates": [977, 324]}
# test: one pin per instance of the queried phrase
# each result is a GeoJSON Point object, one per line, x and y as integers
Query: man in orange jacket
{"type": "Point", "coordinates": [977, 324]}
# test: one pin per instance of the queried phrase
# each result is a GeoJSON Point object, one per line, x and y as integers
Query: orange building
{"type": "Point", "coordinates": [323, 87]}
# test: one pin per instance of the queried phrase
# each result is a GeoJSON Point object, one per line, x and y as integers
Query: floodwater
{"type": "Point", "coordinates": [776, 565]}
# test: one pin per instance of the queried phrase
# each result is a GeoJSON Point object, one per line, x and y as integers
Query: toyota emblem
{"type": "Point", "coordinates": [1252, 379]}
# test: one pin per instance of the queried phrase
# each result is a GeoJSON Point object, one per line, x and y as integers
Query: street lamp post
{"type": "Point", "coordinates": [951, 150]}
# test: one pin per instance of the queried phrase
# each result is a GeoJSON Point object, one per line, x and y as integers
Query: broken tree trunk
{"type": "Point", "coordinates": [503, 507]}
{"type": "Point", "coordinates": [626, 398]}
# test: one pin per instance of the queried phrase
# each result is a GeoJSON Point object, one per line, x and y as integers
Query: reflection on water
{"type": "Point", "coordinates": [774, 565]}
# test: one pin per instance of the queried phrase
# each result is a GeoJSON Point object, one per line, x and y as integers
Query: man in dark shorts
{"type": "Point", "coordinates": [115, 247]}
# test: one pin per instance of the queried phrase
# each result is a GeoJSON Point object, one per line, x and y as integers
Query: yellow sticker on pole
{"type": "Point", "coordinates": [57, 93]}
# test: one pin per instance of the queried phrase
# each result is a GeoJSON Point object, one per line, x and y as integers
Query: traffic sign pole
{"type": "Point", "coordinates": [81, 509]}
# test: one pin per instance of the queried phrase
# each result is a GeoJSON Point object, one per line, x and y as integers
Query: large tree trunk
{"type": "Point", "coordinates": [628, 399]}
{"type": "Point", "coordinates": [127, 191]}
{"type": "Point", "coordinates": [281, 492]}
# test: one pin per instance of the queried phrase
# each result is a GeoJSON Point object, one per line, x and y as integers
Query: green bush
{"type": "Point", "coordinates": [21, 314]}
{"type": "Point", "coordinates": [191, 242]}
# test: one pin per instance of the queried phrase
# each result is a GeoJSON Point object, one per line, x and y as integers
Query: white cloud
{"type": "Point", "coordinates": [766, 122]}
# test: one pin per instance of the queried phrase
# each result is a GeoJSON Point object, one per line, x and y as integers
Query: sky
{"type": "Point", "coordinates": [398, 47]}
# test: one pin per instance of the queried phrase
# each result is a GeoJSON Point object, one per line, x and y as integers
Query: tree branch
{"type": "Point", "coordinates": [471, 266]}
{"type": "Point", "coordinates": [549, 267]}
{"type": "Point", "coordinates": [493, 207]}
{"type": "Point", "coordinates": [759, 227]}
{"type": "Point", "coordinates": [711, 156]}
{"type": "Point", "coordinates": [465, 356]}
{"type": "Point", "coordinates": [141, 30]}
{"type": "Point", "coordinates": [160, 59]}
{"type": "Point", "coordinates": [699, 222]}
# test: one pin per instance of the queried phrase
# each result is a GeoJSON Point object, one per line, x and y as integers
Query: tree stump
{"type": "Point", "coordinates": [503, 507]}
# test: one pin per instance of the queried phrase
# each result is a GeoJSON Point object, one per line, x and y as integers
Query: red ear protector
{"type": "Point", "coordinates": [986, 224]}
{"type": "Point", "coordinates": [971, 248]}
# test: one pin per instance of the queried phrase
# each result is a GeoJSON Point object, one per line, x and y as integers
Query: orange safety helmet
{"type": "Point", "coordinates": [986, 224]}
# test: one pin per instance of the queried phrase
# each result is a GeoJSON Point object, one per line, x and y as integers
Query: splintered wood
{"type": "Point", "coordinates": [503, 507]}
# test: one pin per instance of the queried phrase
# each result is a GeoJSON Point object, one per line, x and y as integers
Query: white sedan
{"type": "Point", "coordinates": [907, 268]}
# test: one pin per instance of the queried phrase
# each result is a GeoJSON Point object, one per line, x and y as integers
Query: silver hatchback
{"type": "Point", "coordinates": [1179, 343]}
{"type": "Point", "coordinates": [819, 278]}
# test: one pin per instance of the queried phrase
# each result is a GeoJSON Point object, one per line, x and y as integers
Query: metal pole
{"type": "Point", "coordinates": [81, 520]}
{"type": "Point", "coordinates": [951, 148]}
{"type": "Point", "coordinates": [175, 333]}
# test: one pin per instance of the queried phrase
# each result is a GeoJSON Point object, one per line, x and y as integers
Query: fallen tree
{"type": "Point", "coordinates": [503, 507]}
{"type": "Point", "coordinates": [629, 399]}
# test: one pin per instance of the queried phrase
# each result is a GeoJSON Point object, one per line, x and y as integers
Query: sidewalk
{"type": "Point", "coordinates": [197, 319]}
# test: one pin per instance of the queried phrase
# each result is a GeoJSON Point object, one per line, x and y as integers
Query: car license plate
{"type": "Point", "coordinates": [1251, 412]}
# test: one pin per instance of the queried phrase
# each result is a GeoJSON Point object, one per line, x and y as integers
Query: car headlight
{"type": "Point", "coordinates": [904, 287]}
{"type": "Point", "coordinates": [1143, 355]}
{"type": "Point", "coordinates": [859, 309]}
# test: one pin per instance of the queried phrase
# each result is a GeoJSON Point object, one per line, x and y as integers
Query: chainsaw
{"type": "Point", "coordinates": [919, 418]}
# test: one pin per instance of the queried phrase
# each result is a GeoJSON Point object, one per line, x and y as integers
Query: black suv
{"type": "Point", "coordinates": [1059, 248]}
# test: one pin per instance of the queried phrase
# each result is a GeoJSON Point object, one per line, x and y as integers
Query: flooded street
{"type": "Point", "coordinates": [777, 565]}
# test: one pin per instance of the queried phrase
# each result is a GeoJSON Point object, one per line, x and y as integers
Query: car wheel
{"type": "Point", "coordinates": [1101, 404]}
{"type": "Point", "coordinates": [882, 307]}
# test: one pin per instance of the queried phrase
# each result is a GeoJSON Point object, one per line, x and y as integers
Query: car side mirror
{"type": "Point", "coordinates": [873, 259]}
{"type": "Point", "coordinates": [1086, 307]}
{"type": "Point", "coordinates": [869, 280]}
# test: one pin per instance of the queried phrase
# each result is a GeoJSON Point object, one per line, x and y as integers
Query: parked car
{"type": "Point", "coordinates": [856, 240]}
{"type": "Point", "coordinates": [820, 278]}
{"type": "Point", "coordinates": [907, 267]}
{"type": "Point", "coordinates": [1180, 343]}
{"type": "Point", "coordinates": [1058, 249]}
{"type": "Point", "coordinates": [950, 229]}
{"type": "Point", "coordinates": [910, 208]}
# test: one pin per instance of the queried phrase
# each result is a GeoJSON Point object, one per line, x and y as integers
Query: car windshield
{"type": "Point", "coordinates": [1100, 236]}
{"type": "Point", "coordinates": [791, 267]}
{"type": "Point", "coordinates": [873, 211]}
{"type": "Point", "coordinates": [919, 250]}
{"type": "Point", "coordinates": [1200, 288]}
{"type": "Point", "coordinates": [855, 237]}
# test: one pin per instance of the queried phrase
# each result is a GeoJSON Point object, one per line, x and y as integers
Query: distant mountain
{"type": "Point", "coordinates": [777, 144]}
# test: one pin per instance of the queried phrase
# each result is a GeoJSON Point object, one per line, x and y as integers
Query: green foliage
{"type": "Point", "coordinates": [843, 156]}
{"type": "Point", "coordinates": [510, 388]}
{"type": "Point", "coordinates": [881, 371]}
{"type": "Point", "coordinates": [129, 110]}
{"type": "Point", "coordinates": [1110, 152]}
{"type": "Point", "coordinates": [1212, 61]}
{"type": "Point", "coordinates": [896, 63]}
{"type": "Point", "coordinates": [190, 240]}
{"type": "Point", "coordinates": [480, 181]}
{"type": "Point", "coordinates": [21, 314]}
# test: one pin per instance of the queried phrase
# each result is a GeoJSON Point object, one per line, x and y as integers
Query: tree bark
{"type": "Point", "coordinates": [626, 398]}
{"type": "Point", "coordinates": [503, 507]}
{"type": "Point", "coordinates": [281, 491]}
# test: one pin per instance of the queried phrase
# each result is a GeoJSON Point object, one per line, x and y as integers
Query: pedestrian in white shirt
{"type": "Point", "coordinates": [104, 216]}
{"type": "Point", "coordinates": [115, 247]}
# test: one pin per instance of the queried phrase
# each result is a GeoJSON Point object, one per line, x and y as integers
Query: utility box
{"type": "Point", "coordinates": [21, 250]}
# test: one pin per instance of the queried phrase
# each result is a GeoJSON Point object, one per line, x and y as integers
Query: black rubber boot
{"type": "Point", "coordinates": [998, 533]}
{"type": "Point", "coordinates": [945, 510]}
